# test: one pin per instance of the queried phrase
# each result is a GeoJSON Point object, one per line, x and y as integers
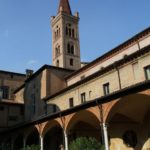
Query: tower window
{"type": "Point", "coordinates": [66, 30]}
{"type": "Point", "coordinates": [72, 49]}
{"type": "Point", "coordinates": [70, 32]}
{"type": "Point", "coordinates": [57, 63]}
{"type": "Point", "coordinates": [71, 62]}
{"type": "Point", "coordinates": [57, 51]}
{"type": "Point", "coordinates": [68, 48]}
{"type": "Point", "coordinates": [73, 33]}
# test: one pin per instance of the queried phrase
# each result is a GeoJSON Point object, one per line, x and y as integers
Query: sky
{"type": "Point", "coordinates": [26, 38]}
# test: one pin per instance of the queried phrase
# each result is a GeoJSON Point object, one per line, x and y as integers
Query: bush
{"type": "Point", "coordinates": [32, 147]}
{"type": "Point", "coordinates": [84, 143]}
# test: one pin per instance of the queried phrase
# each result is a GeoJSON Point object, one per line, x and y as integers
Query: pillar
{"type": "Point", "coordinates": [41, 142]}
{"type": "Point", "coordinates": [105, 133]}
{"type": "Point", "coordinates": [66, 140]}
{"type": "Point", "coordinates": [24, 142]}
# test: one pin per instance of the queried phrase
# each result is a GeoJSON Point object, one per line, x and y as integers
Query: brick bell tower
{"type": "Point", "coordinates": [65, 38]}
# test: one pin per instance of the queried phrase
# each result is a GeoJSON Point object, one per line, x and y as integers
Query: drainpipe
{"type": "Point", "coordinates": [118, 73]}
{"type": "Point", "coordinates": [138, 45]}
{"type": "Point", "coordinates": [119, 78]}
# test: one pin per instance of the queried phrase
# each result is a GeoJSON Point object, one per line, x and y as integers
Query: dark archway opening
{"type": "Point", "coordinates": [53, 139]}
{"type": "Point", "coordinates": [33, 138]}
{"type": "Point", "coordinates": [18, 143]}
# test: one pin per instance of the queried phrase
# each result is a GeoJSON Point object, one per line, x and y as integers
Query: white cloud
{"type": "Point", "coordinates": [32, 62]}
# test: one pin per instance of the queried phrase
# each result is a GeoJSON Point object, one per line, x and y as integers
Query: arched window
{"type": "Point", "coordinates": [70, 32]}
{"type": "Point", "coordinates": [73, 33]}
{"type": "Point", "coordinates": [68, 48]}
{"type": "Point", "coordinates": [72, 49]}
{"type": "Point", "coordinates": [66, 30]}
{"type": "Point", "coordinates": [57, 51]}
{"type": "Point", "coordinates": [71, 62]}
{"type": "Point", "coordinates": [57, 63]}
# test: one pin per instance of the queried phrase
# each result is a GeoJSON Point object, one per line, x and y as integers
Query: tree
{"type": "Point", "coordinates": [32, 147]}
{"type": "Point", "coordinates": [83, 143]}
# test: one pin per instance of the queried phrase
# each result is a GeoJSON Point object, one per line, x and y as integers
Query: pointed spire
{"type": "Point", "coordinates": [64, 6]}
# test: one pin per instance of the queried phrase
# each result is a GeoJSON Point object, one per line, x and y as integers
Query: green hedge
{"type": "Point", "coordinates": [84, 143]}
{"type": "Point", "coordinates": [32, 147]}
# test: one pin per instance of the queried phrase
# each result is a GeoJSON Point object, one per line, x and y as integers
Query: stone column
{"type": "Point", "coordinates": [24, 142]}
{"type": "Point", "coordinates": [66, 140]}
{"type": "Point", "coordinates": [41, 142]}
{"type": "Point", "coordinates": [105, 133]}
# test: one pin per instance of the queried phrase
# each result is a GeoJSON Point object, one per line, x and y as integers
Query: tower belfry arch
{"type": "Point", "coordinates": [65, 38]}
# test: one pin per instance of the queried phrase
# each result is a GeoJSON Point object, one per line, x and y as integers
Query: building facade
{"type": "Point", "coordinates": [108, 98]}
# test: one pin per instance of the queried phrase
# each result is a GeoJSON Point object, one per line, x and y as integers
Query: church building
{"type": "Point", "coordinates": [108, 98]}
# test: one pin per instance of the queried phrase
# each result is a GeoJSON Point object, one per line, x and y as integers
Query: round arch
{"type": "Point", "coordinates": [18, 142]}
{"type": "Point", "coordinates": [126, 118]}
{"type": "Point", "coordinates": [53, 135]}
{"type": "Point", "coordinates": [32, 136]}
{"type": "Point", "coordinates": [84, 123]}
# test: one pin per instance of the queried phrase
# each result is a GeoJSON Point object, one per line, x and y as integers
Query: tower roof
{"type": "Point", "coordinates": [64, 6]}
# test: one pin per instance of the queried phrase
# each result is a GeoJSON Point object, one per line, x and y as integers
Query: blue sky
{"type": "Point", "coordinates": [25, 33]}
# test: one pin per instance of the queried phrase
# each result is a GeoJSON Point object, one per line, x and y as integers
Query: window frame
{"type": "Point", "coordinates": [71, 102]}
{"type": "Point", "coordinates": [83, 98]}
{"type": "Point", "coordinates": [106, 88]}
{"type": "Point", "coordinates": [145, 70]}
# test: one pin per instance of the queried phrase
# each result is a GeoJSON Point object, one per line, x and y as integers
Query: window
{"type": "Point", "coordinates": [73, 33]}
{"type": "Point", "coordinates": [71, 62]}
{"type": "Point", "coordinates": [83, 98]}
{"type": "Point", "coordinates": [72, 49]}
{"type": "Point", "coordinates": [70, 31]}
{"type": "Point", "coordinates": [147, 72]}
{"type": "Point", "coordinates": [68, 48]}
{"type": "Point", "coordinates": [66, 30]}
{"type": "Point", "coordinates": [71, 103]}
{"type": "Point", "coordinates": [57, 50]}
{"type": "Point", "coordinates": [4, 92]}
{"type": "Point", "coordinates": [106, 88]}
{"type": "Point", "coordinates": [57, 63]}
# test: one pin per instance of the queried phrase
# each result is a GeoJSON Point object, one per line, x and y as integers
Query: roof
{"type": "Point", "coordinates": [111, 52]}
{"type": "Point", "coordinates": [10, 102]}
{"type": "Point", "coordinates": [103, 71]}
{"type": "Point", "coordinates": [64, 7]}
{"type": "Point", "coordinates": [101, 100]}
{"type": "Point", "coordinates": [39, 71]}
{"type": "Point", "coordinates": [12, 73]}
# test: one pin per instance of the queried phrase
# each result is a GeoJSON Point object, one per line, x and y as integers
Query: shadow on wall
{"type": "Point", "coordinates": [129, 122]}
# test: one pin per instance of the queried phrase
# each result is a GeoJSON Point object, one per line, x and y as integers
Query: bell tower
{"type": "Point", "coordinates": [65, 38]}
